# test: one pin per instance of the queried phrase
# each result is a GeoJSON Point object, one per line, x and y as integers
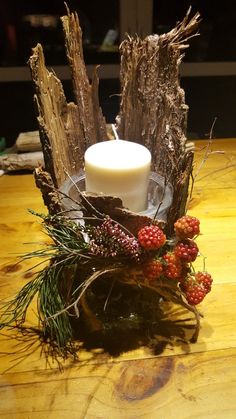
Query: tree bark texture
{"type": "Point", "coordinates": [152, 108]}
{"type": "Point", "coordinates": [51, 196]}
{"type": "Point", "coordinates": [58, 122]}
{"type": "Point", "coordinates": [66, 129]}
{"type": "Point", "coordinates": [92, 121]}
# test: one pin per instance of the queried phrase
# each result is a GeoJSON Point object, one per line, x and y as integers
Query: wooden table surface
{"type": "Point", "coordinates": [188, 381]}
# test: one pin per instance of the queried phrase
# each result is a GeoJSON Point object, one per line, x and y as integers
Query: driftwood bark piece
{"type": "Point", "coordinates": [23, 161]}
{"type": "Point", "coordinates": [58, 122]}
{"type": "Point", "coordinates": [153, 111]}
{"type": "Point", "coordinates": [51, 196]}
{"type": "Point", "coordinates": [28, 141]}
{"type": "Point", "coordinates": [66, 129]}
{"type": "Point", "coordinates": [92, 122]}
{"type": "Point", "coordinates": [113, 207]}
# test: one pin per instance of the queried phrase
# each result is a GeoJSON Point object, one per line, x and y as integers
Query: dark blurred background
{"type": "Point", "coordinates": [208, 74]}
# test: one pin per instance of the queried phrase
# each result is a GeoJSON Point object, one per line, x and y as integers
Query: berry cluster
{"type": "Point", "coordinates": [173, 260]}
{"type": "Point", "coordinates": [161, 259]}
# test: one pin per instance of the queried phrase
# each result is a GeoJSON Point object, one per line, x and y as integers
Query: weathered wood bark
{"type": "Point", "coordinates": [23, 161]}
{"type": "Point", "coordinates": [152, 109]}
{"type": "Point", "coordinates": [66, 129]}
{"type": "Point", "coordinates": [28, 141]}
{"type": "Point", "coordinates": [51, 196]}
{"type": "Point", "coordinates": [59, 127]}
{"type": "Point", "coordinates": [86, 96]}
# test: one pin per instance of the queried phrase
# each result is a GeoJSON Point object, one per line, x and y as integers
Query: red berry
{"type": "Point", "coordinates": [173, 266]}
{"type": "Point", "coordinates": [204, 279]}
{"type": "Point", "coordinates": [187, 227]}
{"type": "Point", "coordinates": [186, 250]}
{"type": "Point", "coordinates": [195, 294]}
{"type": "Point", "coordinates": [153, 269]}
{"type": "Point", "coordinates": [151, 237]}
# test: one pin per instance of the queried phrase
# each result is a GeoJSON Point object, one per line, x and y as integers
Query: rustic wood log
{"type": "Point", "coordinates": [152, 109]}
{"type": "Point", "coordinates": [23, 161]}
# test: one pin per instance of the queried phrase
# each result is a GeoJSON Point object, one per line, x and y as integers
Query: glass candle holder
{"type": "Point", "coordinates": [160, 196]}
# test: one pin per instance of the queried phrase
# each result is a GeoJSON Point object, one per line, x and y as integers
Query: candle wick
{"type": "Point", "coordinates": [114, 131]}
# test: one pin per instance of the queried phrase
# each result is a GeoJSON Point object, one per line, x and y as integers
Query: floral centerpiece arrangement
{"type": "Point", "coordinates": [112, 272]}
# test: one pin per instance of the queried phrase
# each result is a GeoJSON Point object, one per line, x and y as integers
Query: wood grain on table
{"type": "Point", "coordinates": [185, 381]}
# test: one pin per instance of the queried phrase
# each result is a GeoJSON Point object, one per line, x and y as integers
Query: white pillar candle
{"type": "Point", "coordinates": [119, 168]}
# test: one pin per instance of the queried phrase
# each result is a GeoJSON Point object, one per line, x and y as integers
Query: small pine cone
{"type": "Point", "coordinates": [187, 227]}
{"type": "Point", "coordinates": [204, 279]}
{"type": "Point", "coordinates": [195, 294]}
{"type": "Point", "coordinates": [151, 237]}
{"type": "Point", "coordinates": [172, 266]}
{"type": "Point", "coordinates": [186, 250]}
{"type": "Point", "coordinates": [152, 269]}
